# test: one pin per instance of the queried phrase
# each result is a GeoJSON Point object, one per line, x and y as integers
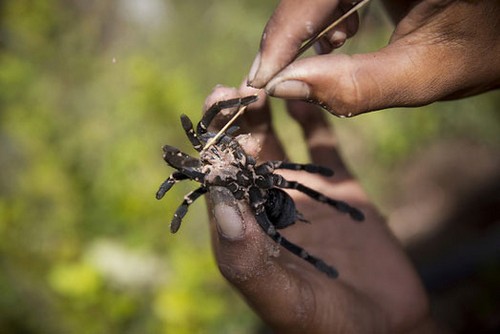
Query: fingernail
{"type": "Point", "coordinates": [289, 89]}
{"type": "Point", "coordinates": [253, 70]}
{"type": "Point", "coordinates": [226, 213]}
{"type": "Point", "coordinates": [338, 38]}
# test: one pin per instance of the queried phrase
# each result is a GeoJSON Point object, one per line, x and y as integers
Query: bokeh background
{"type": "Point", "coordinates": [89, 92]}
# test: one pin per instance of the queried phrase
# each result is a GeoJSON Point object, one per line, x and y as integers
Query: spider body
{"type": "Point", "coordinates": [225, 164]}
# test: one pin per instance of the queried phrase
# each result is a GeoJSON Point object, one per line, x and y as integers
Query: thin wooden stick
{"type": "Point", "coordinates": [225, 127]}
{"type": "Point", "coordinates": [301, 51]}
{"type": "Point", "coordinates": [322, 33]}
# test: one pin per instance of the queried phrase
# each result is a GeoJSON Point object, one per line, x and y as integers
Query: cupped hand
{"type": "Point", "coordinates": [377, 291]}
{"type": "Point", "coordinates": [440, 49]}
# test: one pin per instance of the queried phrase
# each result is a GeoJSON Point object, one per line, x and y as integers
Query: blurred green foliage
{"type": "Point", "coordinates": [89, 92]}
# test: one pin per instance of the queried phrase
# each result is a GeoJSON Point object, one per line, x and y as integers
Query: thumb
{"type": "Point", "coordinates": [397, 75]}
{"type": "Point", "coordinates": [247, 258]}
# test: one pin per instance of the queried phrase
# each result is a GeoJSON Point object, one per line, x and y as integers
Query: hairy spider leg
{"type": "Point", "coordinates": [341, 206]}
{"type": "Point", "coordinates": [178, 159]}
{"type": "Point", "coordinates": [270, 166]}
{"type": "Point", "coordinates": [168, 183]}
{"type": "Point", "coordinates": [221, 105]}
{"type": "Point", "coordinates": [183, 208]}
{"type": "Point", "coordinates": [187, 125]}
{"type": "Point", "coordinates": [183, 162]}
{"type": "Point", "coordinates": [270, 230]}
{"type": "Point", "coordinates": [257, 202]}
{"type": "Point", "coordinates": [310, 168]}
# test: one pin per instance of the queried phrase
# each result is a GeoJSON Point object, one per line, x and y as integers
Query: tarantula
{"type": "Point", "coordinates": [225, 164]}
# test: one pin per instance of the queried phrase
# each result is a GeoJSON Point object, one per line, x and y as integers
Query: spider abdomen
{"type": "Point", "coordinates": [280, 208]}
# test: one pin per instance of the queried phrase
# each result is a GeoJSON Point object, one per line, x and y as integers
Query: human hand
{"type": "Point", "coordinates": [377, 291]}
{"type": "Point", "coordinates": [439, 50]}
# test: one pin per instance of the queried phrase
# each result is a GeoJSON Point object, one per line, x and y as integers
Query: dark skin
{"type": "Point", "coordinates": [440, 49]}
{"type": "Point", "coordinates": [378, 290]}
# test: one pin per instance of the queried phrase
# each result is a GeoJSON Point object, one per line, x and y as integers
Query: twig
{"type": "Point", "coordinates": [322, 33]}
{"type": "Point", "coordinates": [225, 127]}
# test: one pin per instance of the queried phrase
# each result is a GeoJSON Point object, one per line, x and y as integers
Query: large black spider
{"type": "Point", "coordinates": [225, 164]}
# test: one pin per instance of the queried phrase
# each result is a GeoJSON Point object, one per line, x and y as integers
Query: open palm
{"type": "Point", "coordinates": [377, 291]}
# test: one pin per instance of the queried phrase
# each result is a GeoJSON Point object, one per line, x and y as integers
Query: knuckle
{"type": "Point", "coordinates": [239, 271]}
{"type": "Point", "coordinates": [344, 98]}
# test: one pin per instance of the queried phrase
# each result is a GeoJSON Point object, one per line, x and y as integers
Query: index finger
{"type": "Point", "coordinates": [291, 24]}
